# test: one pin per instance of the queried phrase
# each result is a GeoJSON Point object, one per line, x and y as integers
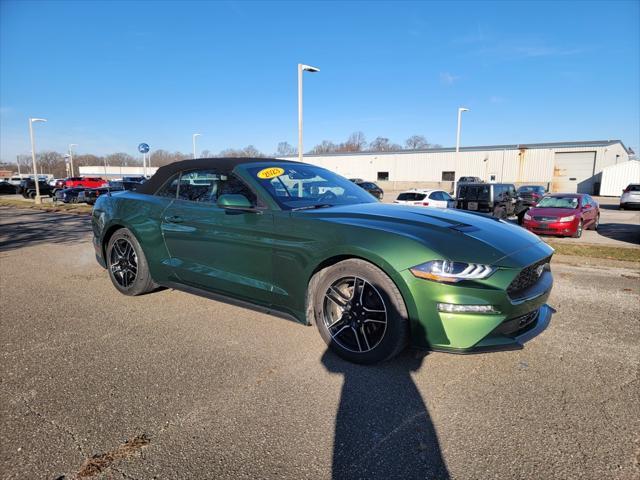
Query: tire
{"type": "Point", "coordinates": [130, 274]}
{"type": "Point", "coordinates": [595, 224]}
{"type": "Point", "coordinates": [578, 233]}
{"type": "Point", "coordinates": [621, 206]}
{"type": "Point", "coordinates": [521, 216]}
{"type": "Point", "coordinates": [366, 332]}
{"type": "Point", "coordinates": [32, 195]}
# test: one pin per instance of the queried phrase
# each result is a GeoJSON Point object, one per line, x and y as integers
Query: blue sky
{"type": "Point", "coordinates": [108, 75]}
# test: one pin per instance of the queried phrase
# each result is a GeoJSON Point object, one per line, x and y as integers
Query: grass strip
{"type": "Point", "coordinates": [48, 207]}
{"type": "Point", "coordinates": [628, 254]}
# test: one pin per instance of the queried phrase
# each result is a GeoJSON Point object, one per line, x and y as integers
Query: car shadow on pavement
{"type": "Point", "coordinates": [23, 228]}
{"type": "Point", "coordinates": [623, 232]}
{"type": "Point", "coordinates": [383, 428]}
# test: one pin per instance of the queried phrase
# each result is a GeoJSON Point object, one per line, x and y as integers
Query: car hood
{"type": "Point", "coordinates": [553, 212]}
{"type": "Point", "coordinates": [454, 234]}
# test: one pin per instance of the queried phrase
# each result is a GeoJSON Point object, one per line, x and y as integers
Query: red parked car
{"type": "Point", "coordinates": [565, 214]}
{"type": "Point", "coordinates": [87, 182]}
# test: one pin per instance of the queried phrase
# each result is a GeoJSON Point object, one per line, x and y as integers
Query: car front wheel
{"type": "Point", "coordinates": [579, 229]}
{"type": "Point", "coordinates": [127, 265]}
{"type": "Point", "coordinates": [358, 311]}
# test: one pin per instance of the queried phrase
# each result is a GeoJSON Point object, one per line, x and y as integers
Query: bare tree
{"type": "Point", "coordinates": [355, 143]}
{"type": "Point", "coordinates": [325, 147]}
{"type": "Point", "coordinates": [416, 142]}
{"type": "Point", "coordinates": [248, 151]}
{"type": "Point", "coordinates": [382, 144]}
{"type": "Point", "coordinates": [285, 149]}
{"type": "Point", "coordinates": [120, 159]}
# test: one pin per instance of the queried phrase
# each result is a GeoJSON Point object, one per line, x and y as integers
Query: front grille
{"type": "Point", "coordinates": [545, 219]}
{"type": "Point", "coordinates": [527, 277]}
{"type": "Point", "coordinates": [518, 325]}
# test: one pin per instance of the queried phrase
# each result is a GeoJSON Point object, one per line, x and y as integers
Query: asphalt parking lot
{"type": "Point", "coordinates": [170, 385]}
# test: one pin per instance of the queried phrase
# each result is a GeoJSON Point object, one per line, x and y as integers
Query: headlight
{"type": "Point", "coordinates": [570, 218]}
{"type": "Point", "coordinates": [451, 272]}
{"type": "Point", "coordinates": [527, 216]}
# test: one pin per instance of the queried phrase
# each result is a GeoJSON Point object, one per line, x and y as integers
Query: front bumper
{"type": "Point", "coordinates": [511, 334]}
{"type": "Point", "coordinates": [551, 228]}
{"type": "Point", "coordinates": [476, 332]}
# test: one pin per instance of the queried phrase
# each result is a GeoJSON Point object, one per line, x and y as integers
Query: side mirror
{"type": "Point", "coordinates": [234, 201]}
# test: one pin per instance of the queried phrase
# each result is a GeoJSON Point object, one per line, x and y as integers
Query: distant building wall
{"type": "Point", "coordinates": [519, 164]}
{"type": "Point", "coordinates": [616, 177]}
{"type": "Point", "coordinates": [115, 172]}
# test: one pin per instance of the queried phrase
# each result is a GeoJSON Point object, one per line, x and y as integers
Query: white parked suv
{"type": "Point", "coordinates": [426, 198]}
{"type": "Point", "coordinates": [630, 197]}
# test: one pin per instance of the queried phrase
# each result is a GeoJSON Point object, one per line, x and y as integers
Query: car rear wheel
{"type": "Point", "coordinates": [578, 232]}
{"type": "Point", "coordinates": [127, 265]}
{"type": "Point", "coordinates": [358, 311]}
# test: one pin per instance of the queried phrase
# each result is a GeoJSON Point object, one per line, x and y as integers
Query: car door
{"type": "Point", "coordinates": [437, 200]}
{"type": "Point", "coordinates": [228, 251]}
{"type": "Point", "coordinates": [589, 210]}
{"type": "Point", "coordinates": [450, 201]}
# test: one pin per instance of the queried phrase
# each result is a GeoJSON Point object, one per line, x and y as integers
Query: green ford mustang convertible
{"type": "Point", "coordinates": [301, 241]}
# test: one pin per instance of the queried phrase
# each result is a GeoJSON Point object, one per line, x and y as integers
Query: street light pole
{"type": "Point", "coordinates": [460, 110]}
{"type": "Point", "coordinates": [71, 145]}
{"type": "Point", "coordinates": [33, 157]}
{"type": "Point", "coordinates": [193, 138]}
{"type": "Point", "coordinates": [302, 68]}
{"type": "Point", "coordinates": [18, 163]}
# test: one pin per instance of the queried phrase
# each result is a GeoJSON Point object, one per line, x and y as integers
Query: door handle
{"type": "Point", "coordinates": [174, 219]}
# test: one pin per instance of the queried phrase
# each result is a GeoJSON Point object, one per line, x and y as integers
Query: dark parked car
{"type": "Point", "coordinates": [371, 277]}
{"type": "Point", "coordinates": [564, 214]}
{"type": "Point", "coordinates": [7, 188]}
{"type": "Point", "coordinates": [470, 180]}
{"type": "Point", "coordinates": [90, 195]}
{"type": "Point", "coordinates": [68, 195]}
{"type": "Point", "coordinates": [497, 199]}
{"type": "Point", "coordinates": [28, 188]}
{"type": "Point", "coordinates": [372, 188]}
{"type": "Point", "coordinates": [531, 194]}
{"type": "Point", "coordinates": [138, 179]}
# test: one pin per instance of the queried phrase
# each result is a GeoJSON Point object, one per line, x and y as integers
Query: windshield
{"type": "Point", "coordinates": [558, 202]}
{"type": "Point", "coordinates": [474, 192]}
{"type": "Point", "coordinates": [533, 189]}
{"type": "Point", "coordinates": [410, 196]}
{"type": "Point", "coordinates": [295, 186]}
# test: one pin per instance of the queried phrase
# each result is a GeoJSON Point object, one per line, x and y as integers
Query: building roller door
{"type": "Point", "coordinates": [573, 172]}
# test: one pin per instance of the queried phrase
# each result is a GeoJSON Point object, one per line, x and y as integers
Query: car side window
{"type": "Point", "coordinates": [446, 196]}
{"type": "Point", "coordinates": [436, 196]}
{"type": "Point", "coordinates": [233, 185]}
{"type": "Point", "coordinates": [169, 189]}
{"type": "Point", "coordinates": [199, 186]}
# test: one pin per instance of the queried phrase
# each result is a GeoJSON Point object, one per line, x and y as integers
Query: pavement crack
{"type": "Point", "coordinates": [56, 425]}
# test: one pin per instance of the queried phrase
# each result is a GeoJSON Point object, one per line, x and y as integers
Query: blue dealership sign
{"type": "Point", "coordinates": [143, 148]}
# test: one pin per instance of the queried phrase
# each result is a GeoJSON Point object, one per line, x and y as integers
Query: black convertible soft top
{"type": "Point", "coordinates": [225, 164]}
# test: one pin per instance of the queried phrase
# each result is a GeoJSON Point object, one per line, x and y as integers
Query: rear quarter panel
{"type": "Point", "coordinates": [142, 215]}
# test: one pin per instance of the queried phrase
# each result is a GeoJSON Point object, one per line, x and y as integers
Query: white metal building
{"type": "Point", "coordinates": [115, 172]}
{"type": "Point", "coordinates": [565, 166]}
{"type": "Point", "coordinates": [615, 178]}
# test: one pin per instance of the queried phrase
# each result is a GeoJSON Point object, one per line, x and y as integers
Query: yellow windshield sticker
{"type": "Point", "coordinates": [271, 172]}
